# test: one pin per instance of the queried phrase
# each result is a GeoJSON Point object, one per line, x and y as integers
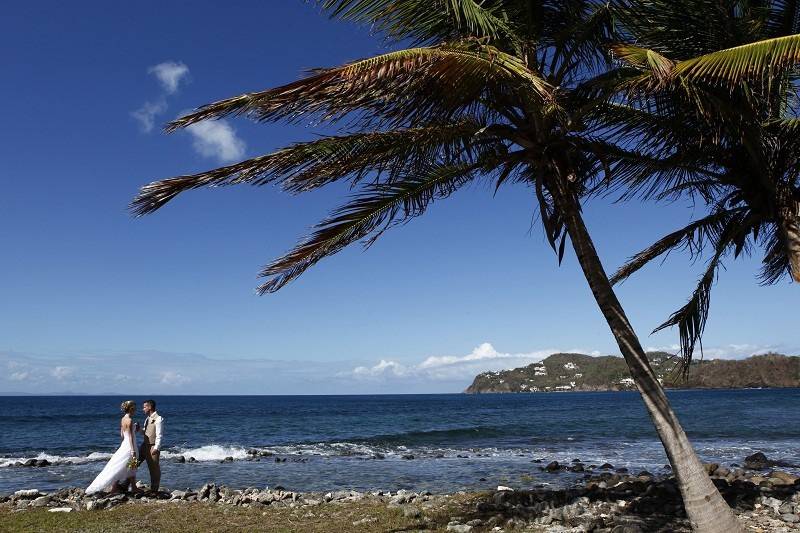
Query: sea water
{"type": "Point", "coordinates": [457, 441]}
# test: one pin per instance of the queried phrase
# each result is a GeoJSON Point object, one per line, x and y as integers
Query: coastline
{"type": "Point", "coordinates": [606, 499]}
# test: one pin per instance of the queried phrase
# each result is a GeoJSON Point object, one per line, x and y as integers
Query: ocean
{"type": "Point", "coordinates": [458, 441]}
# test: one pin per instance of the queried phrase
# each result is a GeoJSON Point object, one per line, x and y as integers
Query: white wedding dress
{"type": "Point", "coordinates": [117, 467]}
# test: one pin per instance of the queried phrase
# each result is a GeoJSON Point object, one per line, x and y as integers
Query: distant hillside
{"type": "Point", "coordinates": [579, 372]}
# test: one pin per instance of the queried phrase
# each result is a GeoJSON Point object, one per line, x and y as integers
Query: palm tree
{"type": "Point", "coordinates": [729, 108]}
{"type": "Point", "coordinates": [499, 91]}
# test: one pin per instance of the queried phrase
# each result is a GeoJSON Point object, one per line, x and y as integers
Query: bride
{"type": "Point", "coordinates": [122, 465]}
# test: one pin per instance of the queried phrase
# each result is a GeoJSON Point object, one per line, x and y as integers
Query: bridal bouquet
{"type": "Point", "coordinates": [133, 463]}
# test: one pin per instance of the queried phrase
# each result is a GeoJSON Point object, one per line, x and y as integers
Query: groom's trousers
{"type": "Point", "coordinates": [145, 452]}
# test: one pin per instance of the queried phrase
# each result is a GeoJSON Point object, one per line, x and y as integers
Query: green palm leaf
{"type": "Point", "coordinates": [372, 211]}
{"type": "Point", "coordinates": [425, 19]}
{"type": "Point", "coordinates": [758, 59]}
{"type": "Point", "coordinates": [397, 86]}
{"type": "Point", "coordinates": [309, 165]}
{"type": "Point", "coordinates": [693, 237]}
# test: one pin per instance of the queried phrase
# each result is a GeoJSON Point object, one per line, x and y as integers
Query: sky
{"type": "Point", "coordinates": [95, 301]}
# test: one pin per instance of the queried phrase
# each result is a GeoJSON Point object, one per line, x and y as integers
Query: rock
{"type": "Point", "coordinates": [191, 460]}
{"type": "Point", "coordinates": [41, 501]}
{"type": "Point", "coordinates": [398, 499]}
{"type": "Point", "coordinates": [180, 459]}
{"type": "Point", "coordinates": [29, 462]}
{"type": "Point", "coordinates": [577, 468]}
{"type": "Point", "coordinates": [622, 470]}
{"type": "Point", "coordinates": [757, 461]}
{"type": "Point", "coordinates": [42, 462]}
{"type": "Point", "coordinates": [627, 528]}
{"type": "Point", "coordinates": [116, 500]}
{"type": "Point", "coordinates": [378, 456]}
{"type": "Point", "coordinates": [552, 466]}
{"type": "Point", "coordinates": [503, 487]}
{"type": "Point", "coordinates": [784, 478]}
{"type": "Point", "coordinates": [772, 503]}
{"type": "Point", "coordinates": [60, 510]}
{"type": "Point", "coordinates": [710, 467]}
{"type": "Point", "coordinates": [91, 505]}
{"type": "Point", "coordinates": [227, 460]}
{"type": "Point", "coordinates": [606, 466]}
{"type": "Point", "coordinates": [790, 518]}
{"type": "Point", "coordinates": [721, 472]}
{"type": "Point", "coordinates": [459, 528]}
{"type": "Point", "coordinates": [407, 456]}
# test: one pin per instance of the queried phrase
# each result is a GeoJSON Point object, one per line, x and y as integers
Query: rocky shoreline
{"type": "Point", "coordinates": [608, 500]}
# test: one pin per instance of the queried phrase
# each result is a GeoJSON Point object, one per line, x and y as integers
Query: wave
{"type": "Point", "coordinates": [56, 459]}
{"type": "Point", "coordinates": [210, 452]}
{"type": "Point", "coordinates": [437, 436]}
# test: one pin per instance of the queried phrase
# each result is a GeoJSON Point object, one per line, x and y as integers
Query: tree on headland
{"type": "Point", "coordinates": [724, 100]}
{"type": "Point", "coordinates": [500, 91]}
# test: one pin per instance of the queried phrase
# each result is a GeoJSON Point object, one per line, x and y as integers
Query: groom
{"type": "Point", "coordinates": [150, 450]}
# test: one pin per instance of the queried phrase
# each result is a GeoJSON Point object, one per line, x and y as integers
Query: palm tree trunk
{"type": "Point", "coordinates": [790, 227]}
{"type": "Point", "coordinates": [705, 507]}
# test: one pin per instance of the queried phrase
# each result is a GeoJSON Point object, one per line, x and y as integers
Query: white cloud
{"type": "Point", "coordinates": [61, 372]}
{"type": "Point", "coordinates": [173, 378]}
{"type": "Point", "coordinates": [216, 138]}
{"type": "Point", "coordinates": [19, 376]}
{"type": "Point", "coordinates": [169, 74]}
{"type": "Point", "coordinates": [146, 115]}
{"type": "Point", "coordinates": [455, 367]}
{"type": "Point", "coordinates": [726, 351]}
{"type": "Point", "coordinates": [382, 368]}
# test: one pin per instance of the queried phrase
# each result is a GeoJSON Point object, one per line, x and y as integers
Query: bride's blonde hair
{"type": "Point", "coordinates": [127, 405]}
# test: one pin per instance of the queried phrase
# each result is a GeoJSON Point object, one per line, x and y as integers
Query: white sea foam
{"type": "Point", "coordinates": [211, 452]}
{"type": "Point", "coordinates": [56, 459]}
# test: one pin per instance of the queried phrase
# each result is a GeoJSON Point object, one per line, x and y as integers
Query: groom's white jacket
{"type": "Point", "coordinates": [157, 422]}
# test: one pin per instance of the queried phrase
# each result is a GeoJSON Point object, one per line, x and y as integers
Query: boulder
{"type": "Point", "coordinates": [180, 459]}
{"type": "Point", "coordinates": [552, 466]}
{"type": "Point", "coordinates": [783, 478]}
{"type": "Point", "coordinates": [41, 501]}
{"type": "Point", "coordinates": [757, 461]}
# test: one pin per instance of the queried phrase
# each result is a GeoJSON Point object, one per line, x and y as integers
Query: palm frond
{"type": "Point", "coordinates": [644, 58]}
{"type": "Point", "coordinates": [400, 87]}
{"type": "Point", "coordinates": [372, 211]}
{"type": "Point", "coordinates": [309, 165]}
{"type": "Point", "coordinates": [426, 20]}
{"type": "Point", "coordinates": [775, 263]}
{"type": "Point", "coordinates": [760, 60]}
{"type": "Point", "coordinates": [691, 318]}
{"type": "Point", "coordinates": [693, 237]}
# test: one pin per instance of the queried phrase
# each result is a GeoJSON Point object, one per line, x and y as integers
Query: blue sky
{"type": "Point", "coordinates": [92, 300]}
